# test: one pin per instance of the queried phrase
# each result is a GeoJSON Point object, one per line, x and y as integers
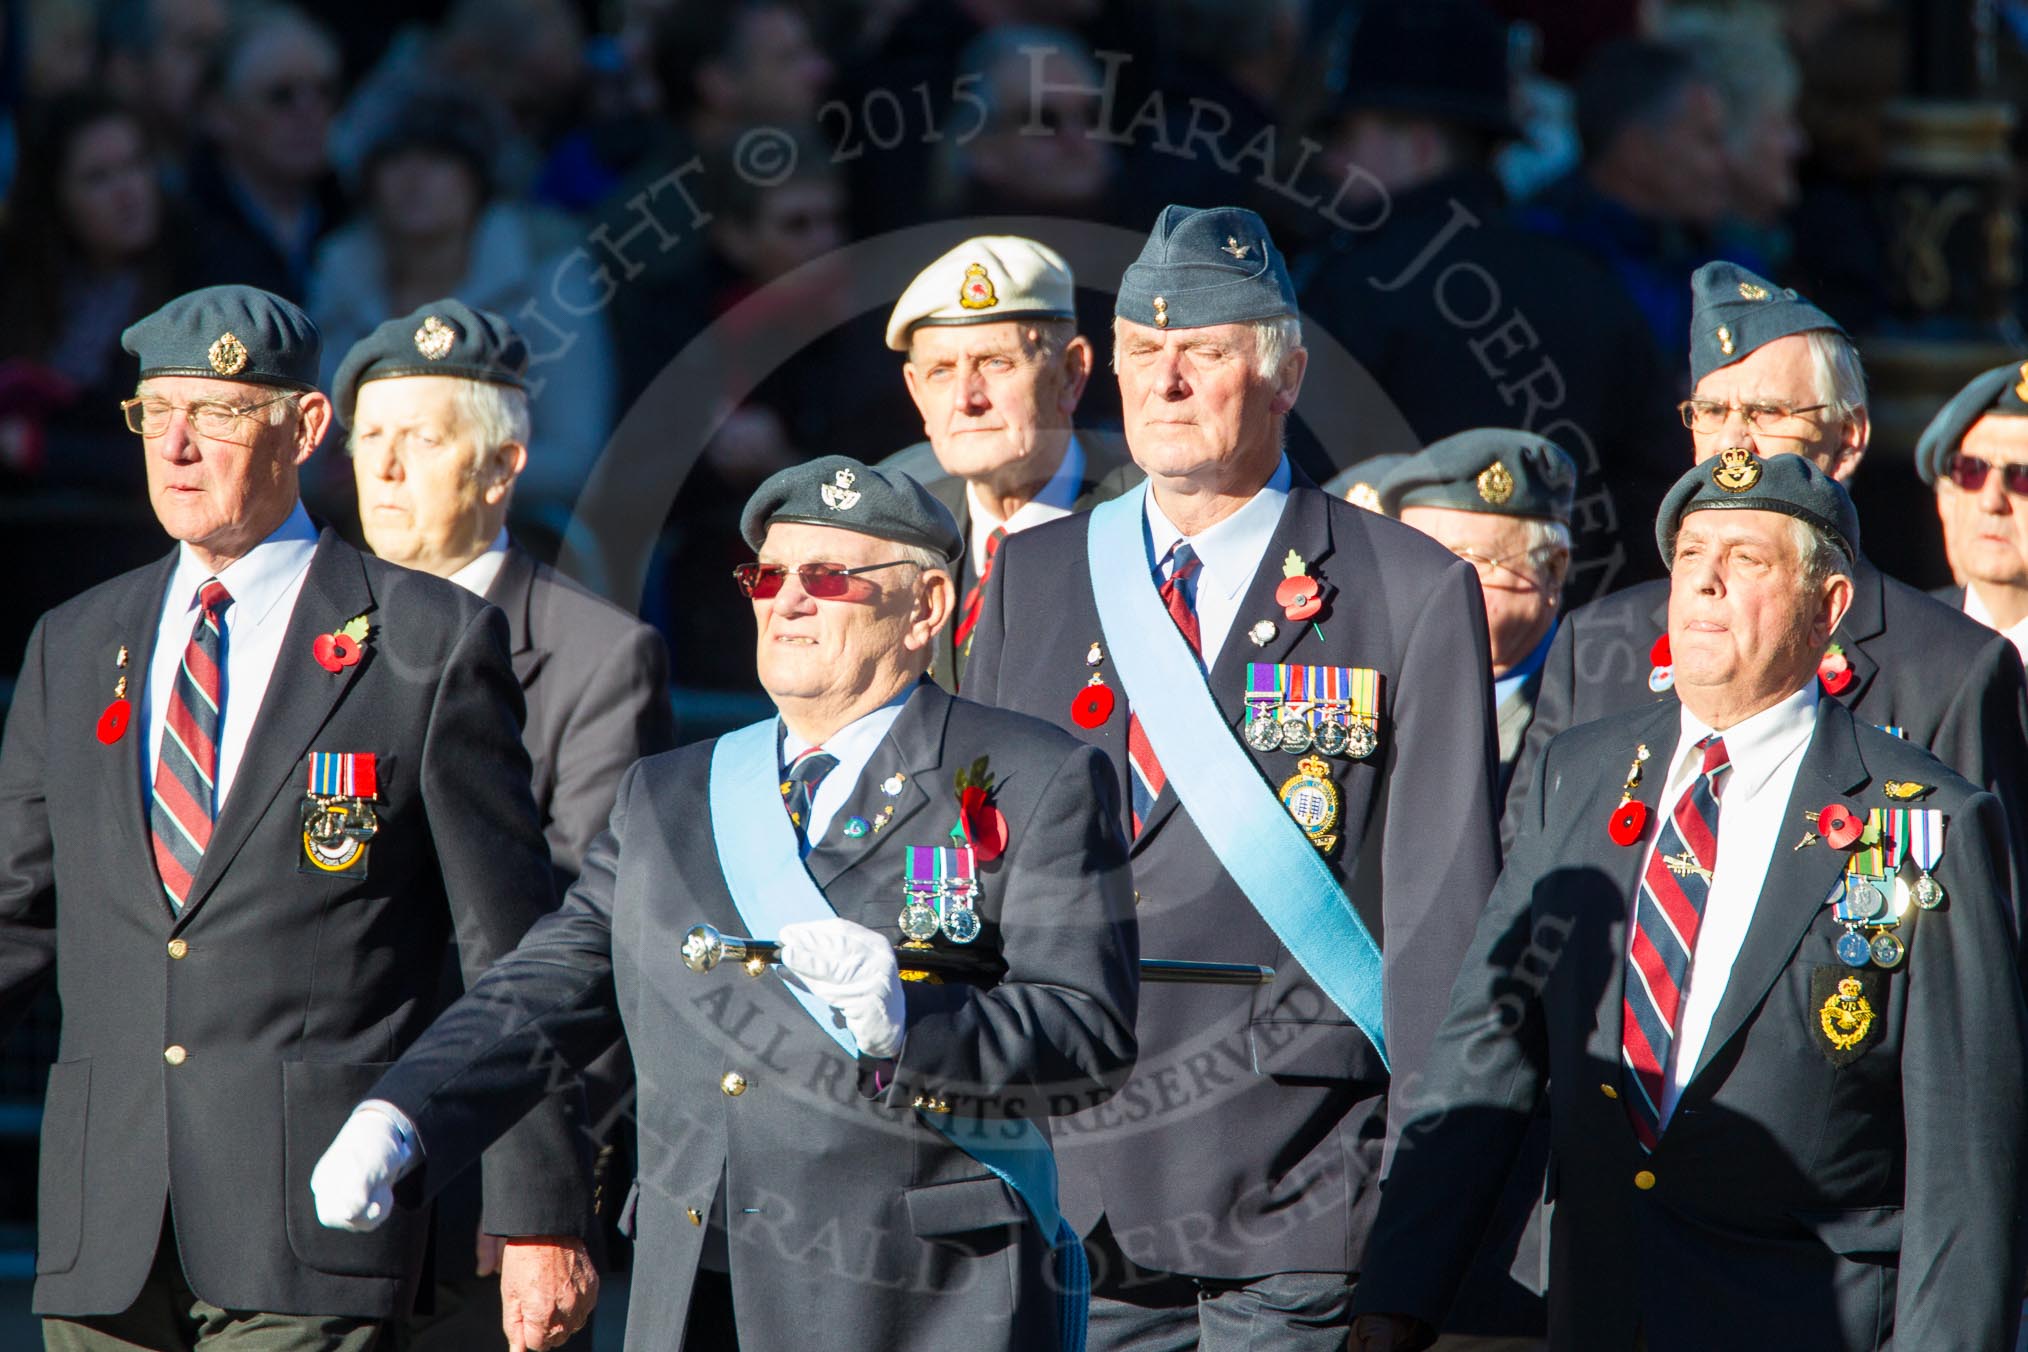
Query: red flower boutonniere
{"type": "Point", "coordinates": [1300, 596]}
{"type": "Point", "coordinates": [980, 824]}
{"type": "Point", "coordinates": [1629, 819]}
{"type": "Point", "coordinates": [1661, 666]}
{"type": "Point", "coordinates": [1839, 826]}
{"type": "Point", "coordinates": [343, 647]}
{"type": "Point", "coordinates": [1834, 670]}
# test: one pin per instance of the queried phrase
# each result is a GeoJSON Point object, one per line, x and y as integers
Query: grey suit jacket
{"type": "Point", "coordinates": [1108, 472]}
{"type": "Point", "coordinates": [852, 1224]}
{"type": "Point", "coordinates": [1947, 681]}
{"type": "Point", "coordinates": [1249, 1140]}
{"type": "Point", "coordinates": [1800, 1197]}
{"type": "Point", "coordinates": [289, 991]}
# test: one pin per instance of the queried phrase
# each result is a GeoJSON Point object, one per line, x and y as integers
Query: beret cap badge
{"type": "Point", "coordinates": [839, 495]}
{"type": "Point", "coordinates": [976, 291]}
{"type": "Point", "coordinates": [227, 355]}
{"type": "Point", "coordinates": [1749, 291]}
{"type": "Point", "coordinates": [2021, 387]}
{"type": "Point", "coordinates": [1737, 470]}
{"type": "Point", "coordinates": [1725, 340]}
{"type": "Point", "coordinates": [1495, 484]}
{"type": "Point", "coordinates": [1234, 247]}
{"type": "Point", "coordinates": [1161, 313]}
{"type": "Point", "coordinates": [435, 338]}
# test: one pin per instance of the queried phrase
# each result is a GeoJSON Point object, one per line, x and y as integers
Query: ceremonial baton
{"type": "Point", "coordinates": [704, 948]}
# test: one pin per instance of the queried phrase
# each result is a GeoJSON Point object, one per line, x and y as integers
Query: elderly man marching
{"type": "Point", "coordinates": [996, 367]}
{"type": "Point", "coordinates": [1975, 454]}
{"type": "Point", "coordinates": [1756, 957]}
{"type": "Point", "coordinates": [1294, 694]}
{"type": "Point", "coordinates": [847, 1158]}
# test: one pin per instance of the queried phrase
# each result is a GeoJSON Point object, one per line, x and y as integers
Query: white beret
{"type": "Point", "coordinates": [986, 279]}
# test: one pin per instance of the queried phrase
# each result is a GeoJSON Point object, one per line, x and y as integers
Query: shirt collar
{"type": "Point", "coordinates": [1976, 609]}
{"type": "Point", "coordinates": [1506, 685]}
{"type": "Point", "coordinates": [1755, 747]}
{"type": "Point", "coordinates": [1060, 492]}
{"type": "Point", "coordinates": [1231, 550]}
{"type": "Point", "coordinates": [856, 740]}
{"type": "Point", "coordinates": [257, 580]}
{"type": "Point", "coordinates": [477, 576]}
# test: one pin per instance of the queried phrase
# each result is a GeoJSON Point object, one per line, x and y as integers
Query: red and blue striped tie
{"type": "Point", "coordinates": [186, 772]}
{"type": "Point", "coordinates": [1179, 594]}
{"type": "Point", "coordinates": [799, 787]}
{"type": "Point", "coordinates": [1667, 915]}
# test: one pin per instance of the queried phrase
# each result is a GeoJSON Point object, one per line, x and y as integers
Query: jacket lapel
{"type": "Point", "coordinates": [1305, 527]}
{"type": "Point", "coordinates": [913, 748]}
{"type": "Point", "coordinates": [300, 698]}
{"type": "Point", "coordinates": [513, 590]}
{"type": "Point", "coordinates": [139, 616]}
{"type": "Point", "coordinates": [1797, 882]}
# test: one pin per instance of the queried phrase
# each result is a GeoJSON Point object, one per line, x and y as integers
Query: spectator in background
{"type": "Point", "coordinates": [432, 224]}
{"type": "Point", "coordinates": [1550, 343]}
{"type": "Point", "coordinates": [1035, 150]}
{"type": "Point", "coordinates": [86, 256]}
{"type": "Point", "coordinates": [1742, 54]}
{"type": "Point", "coordinates": [261, 189]}
{"type": "Point", "coordinates": [61, 38]}
{"type": "Point", "coordinates": [157, 54]}
{"type": "Point", "coordinates": [1652, 185]}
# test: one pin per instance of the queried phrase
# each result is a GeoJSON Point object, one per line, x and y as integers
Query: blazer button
{"type": "Point", "coordinates": [1609, 1091]}
{"type": "Point", "coordinates": [175, 1055]}
{"type": "Point", "coordinates": [696, 1216]}
{"type": "Point", "coordinates": [177, 948]}
{"type": "Point", "coordinates": [1644, 1180]}
{"type": "Point", "coordinates": [732, 1084]}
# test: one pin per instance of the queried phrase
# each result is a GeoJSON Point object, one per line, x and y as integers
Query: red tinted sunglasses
{"type": "Point", "coordinates": [1969, 473]}
{"type": "Point", "coordinates": [823, 581]}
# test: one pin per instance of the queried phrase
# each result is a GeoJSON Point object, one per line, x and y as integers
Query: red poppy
{"type": "Point", "coordinates": [113, 722]}
{"type": "Point", "coordinates": [1834, 671]}
{"type": "Point", "coordinates": [1092, 707]}
{"type": "Point", "coordinates": [1659, 654]}
{"type": "Point", "coordinates": [984, 825]}
{"type": "Point", "coordinates": [1628, 821]}
{"type": "Point", "coordinates": [1839, 828]}
{"type": "Point", "coordinates": [335, 652]}
{"type": "Point", "coordinates": [1301, 597]}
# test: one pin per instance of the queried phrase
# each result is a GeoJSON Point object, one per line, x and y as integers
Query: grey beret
{"type": "Point", "coordinates": [836, 490]}
{"type": "Point", "coordinates": [1738, 478]}
{"type": "Point", "coordinates": [1204, 266]}
{"type": "Point", "coordinates": [1734, 311]}
{"type": "Point", "coordinates": [1359, 483]}
{"type": "Point", "coordinates": [442, 338]}
{"type": "Point", "coordinates": [2002, 390]}
{"type": "Point", "coordinates": [228, 333]}
{"type": "Point", "coordinates": [1488, 469]}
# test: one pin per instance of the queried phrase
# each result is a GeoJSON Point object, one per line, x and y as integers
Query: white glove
{"type": "Point", "coordinates": [354, 1181]}
{"type": "Point", "coordinates": [851, 969]}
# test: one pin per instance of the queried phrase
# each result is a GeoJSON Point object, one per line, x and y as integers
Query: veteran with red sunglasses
{"type": "Point", "coordinates": [873, 816]}
{"type": "Point", "coordinates": [1975, 452]}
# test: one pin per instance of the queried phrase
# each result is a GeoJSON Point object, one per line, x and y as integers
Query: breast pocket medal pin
{"type": "Point", "coordinates": [339, 819]}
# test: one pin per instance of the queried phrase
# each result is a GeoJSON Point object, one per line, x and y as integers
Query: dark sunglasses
{"type": "Point", "coordinates": [1969, 473]}
{"type": "Point", "coordinates": [823, 581]}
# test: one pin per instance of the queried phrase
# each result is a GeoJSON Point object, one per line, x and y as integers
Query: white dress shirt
{"type": "Point", "coordinates": [1057, 498]}
{"type": "Point", "coordinates": [1230, 551]}
{"type": "Point", "coordinates": [853, 745]}
{"type": "Point", "coordinates": [263, 586]}
{"type": "Point", "coordinates": [1764, 752]}
{"type": "Point", "coordinates": [1975, 607]}
{"type": "Point", "coordinates": [478, 575]}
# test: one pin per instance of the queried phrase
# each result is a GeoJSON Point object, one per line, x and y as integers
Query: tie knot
{"type": "Point", "coordinates": [1183, 562]}
{"type": "Point", "coordinates": [1715, 755]}
{"type": "Point", "coordinates": [212, 597]}
{"type": "Point", "coordinates": [811, 767]}
{"type": "Point", "coordinates": [993, 540]}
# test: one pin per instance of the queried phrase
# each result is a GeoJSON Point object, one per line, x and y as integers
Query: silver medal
{"type": "Point", "coordinates": [1928, 892]}
{"type": "Point", "coordinates": [1263, 733]}
{"type": "Point", "coordinates": [919, 922]}
{"type": "Point", "coordinates": [1295, 732]}
{"type": "Point", "coordinates": [1863, 898]}
{"type": "Point", "coordinates": [1361, 740]}
{"type": "Point", "coordinates": [961, 924]}
{"type": "Point", "coordinates": [1332, 737]}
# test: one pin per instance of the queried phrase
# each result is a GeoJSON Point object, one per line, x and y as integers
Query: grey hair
{"type": "Point", "coordinates": [922, 556]}
{"type": "Point", "coordinates": [279, 411]}
{"type": "Point", "coordinates": [1274, 339]}
{"type": "Point", "coordinates": [1818, 552]}
{"type": "Point", "coordinates": [1545, 538]}
{"type": "Point", "coordinates": [1840, 379]}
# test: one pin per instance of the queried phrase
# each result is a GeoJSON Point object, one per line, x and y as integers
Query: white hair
{"type": "Point", "coordinates": [1545, 539]}
{"type": "Point", "coordinates": [1817, 552]}
{"type": "Point", "coordinates": [1840, 379]}
{"type": "Point", "coordinates": [1274, 339]}
{"type": "Point", "coordinates": [490, 415]}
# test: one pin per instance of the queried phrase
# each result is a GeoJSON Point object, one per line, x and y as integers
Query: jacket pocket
{"type": "Point", "coordinates": [317, 1097]}
{"type": "Point", "coordinates": [60, 1171]}
{"type": "Point", "coordinates": [936, 1210]}
{"type": "Point", "coordinates": [1863, 1233]}
{"type": "Point", "coordinates": [1304, 1049]}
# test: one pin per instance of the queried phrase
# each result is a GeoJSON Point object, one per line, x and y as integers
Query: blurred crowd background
{"type": "Point", "coordinates": [1493, 212]}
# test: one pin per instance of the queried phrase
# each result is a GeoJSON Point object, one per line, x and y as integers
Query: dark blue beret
{"type": "Point", "coordinates": [836, 490]}
{"type": "Point", "coordinates": [1487, 469]}
{"type": "Point", "coordinates": [1733, 311]}
{"type": "Point", "coordinates": [442, 338]}
{"type": "Point", "coordinates": [2002, 390]}
{"type": "Point", "coordinates": [1737, 478]}
{"type": "Point", "coordinates": [228, 333]}
{"type": "Point", "coordinates": [1359, 484]}
{"type": "Point", "coordinates": [1204, 266]}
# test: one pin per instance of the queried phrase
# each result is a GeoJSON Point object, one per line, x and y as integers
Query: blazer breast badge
{"type": "Point", "coordinates": [339, 820]}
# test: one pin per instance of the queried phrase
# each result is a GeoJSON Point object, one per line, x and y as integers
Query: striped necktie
{"type": "Point", "coordinates": [186, 772]}
{"type": "Point", "coordinates": [968, 613]}
{"type": "Point", "coordinates": [799, 786]}
{"type": "Point", "coordinates": [1667, 915]}
{"type": "Point", "coordinates": [1179, 594]}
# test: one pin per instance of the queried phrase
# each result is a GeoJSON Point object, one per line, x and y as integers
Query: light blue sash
{"type": "Point", "coordinates": [1240, 817]}
{"type": "Point", "coordinates": [761, 861]}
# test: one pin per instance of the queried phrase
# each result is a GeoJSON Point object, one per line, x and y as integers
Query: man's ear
{"type": "Point", "coordinates": [1290, 381]}
{"type": "Point", "coordinates": [314, 418]}
{"type": "Point", "coordinates": [501, 469]}
{"type": "Point", "coordinates": [1075, 367]}
{"type": "Point", "coordinates": [1835, 601]}
{"type": "Point", "coordinates": [1852, 441]}
{"type": "Point", "coordinates": [935, 600]}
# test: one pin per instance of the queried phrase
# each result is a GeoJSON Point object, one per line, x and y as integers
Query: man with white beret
{"type": "Point", "coordinates": [996, 366]}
